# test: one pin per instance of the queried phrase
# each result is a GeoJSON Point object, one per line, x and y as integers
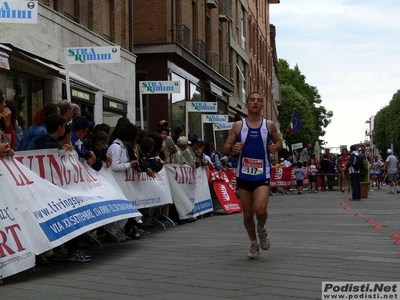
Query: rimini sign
{"type": "Point", "coordinates": [25, 12]}
{"type": "Point", "coordinates": [201, 106]}
{"type": "Point", "coordinates": [214, 118]}
{"type": "Point", "coordinates": [160, 87]}
{"type": "Point", "coordinates": [93, 55]}
{"type": "Point", "coordinates": [222, 126]}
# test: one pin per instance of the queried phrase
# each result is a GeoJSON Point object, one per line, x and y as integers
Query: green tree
{"type": "Point", "coordinates": [386, 129]}
{"type": "Point", "coordinates": [297, 93]}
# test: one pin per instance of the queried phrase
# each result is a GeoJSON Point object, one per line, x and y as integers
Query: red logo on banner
{"type": "Point", "coordinates": [227, 197]}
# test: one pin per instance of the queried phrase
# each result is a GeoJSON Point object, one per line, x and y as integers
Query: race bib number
{"type": "Point", "coordinates": [251, 166]}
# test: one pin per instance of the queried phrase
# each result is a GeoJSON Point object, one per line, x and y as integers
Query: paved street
{"type": "Point", "coordinates": [313, 239]}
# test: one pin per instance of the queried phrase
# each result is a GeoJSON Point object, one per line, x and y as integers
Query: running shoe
{"type": "Point", "coordinates": [254, 252]}
{"type": "Point", "coordinates": [264, 239]}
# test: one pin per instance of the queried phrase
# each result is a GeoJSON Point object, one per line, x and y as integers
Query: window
{"type": "Point", "coordinates": [70, 9]}
{"type": "Point", "coordinates": [107, 18]}
{"type": "Point", "coordinates": [179, 104]}
{"type": "Point", "coordinates": [196, 95]}
{"type": "Point", "coordinates": [243, 28]}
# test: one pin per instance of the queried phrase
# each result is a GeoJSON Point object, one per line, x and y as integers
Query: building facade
{"type": "Point", "coordinates": [219, 50]}
{"type": "Point", "coordinates": [36, 56]}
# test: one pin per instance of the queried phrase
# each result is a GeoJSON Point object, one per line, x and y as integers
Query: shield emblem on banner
{"type": "Point", "coordinates": [227, 197]}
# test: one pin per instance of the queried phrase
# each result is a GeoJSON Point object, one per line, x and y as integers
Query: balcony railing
{"type": "Point", "coordinates": [213, 60]}
{"type": "Point", "coordinates": [183, 35]}
{"type": "Point", "coordinates": [200, 49]}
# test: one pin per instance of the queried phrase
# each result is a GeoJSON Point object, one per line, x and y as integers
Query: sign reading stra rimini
{"type": "Point", "coordinates": [160, 87]}
{"type": "Point", "coordinates": [93, 55]}
{"type": "Point", "coordinates": [25, 12]}
{"type": "Point", "coordinates": [201, 106]}
{"type": "Point", "coordinates": [214, 118]}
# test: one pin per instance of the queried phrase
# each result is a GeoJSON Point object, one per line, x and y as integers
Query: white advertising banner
{"type": "Point", "coordinates": [37, 215]}
{"type": "Point", "coordinates": [93, 55]}
{"type": "Point", "coordinates": [72, 199]}
{"type": "Point", "coordinates": [182, 180]}
{"type": "Point", "coordinates": [16, 249]}
{"type": "Point", "coordinates": [144, 191]}
{"type": "Point", "coordinates": [202, 196]}
{"type": "Point", "coordinates": [24, 12]}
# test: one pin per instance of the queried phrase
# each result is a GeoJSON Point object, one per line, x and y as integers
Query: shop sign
{"type": "Point", "coordinates": [160, 87]}
{"type": "Point", "coordinates": [214, 118]}
{"type": "Point", "coordinates": [201, 106]}
{"type": "Point", "coordinates": [93, 55]}
{"type": "Point", "coordinates": [25, 12]}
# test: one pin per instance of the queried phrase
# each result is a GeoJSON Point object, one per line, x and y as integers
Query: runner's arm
{"type": "Point", "coordinates": [276, 143]}
{"type": "Point", "coordinates": [230, 143]}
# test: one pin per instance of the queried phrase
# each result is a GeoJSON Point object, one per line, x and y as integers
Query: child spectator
{"type": "Point", "coordinates": [148, 159]}
{"type": "Point", "coordinates": [299, 174]}
{"type": "Point", "coordinates": [98, 144]}
{"type": "Point", "coordinates": [65, 139]}
{"type": "Point", "coordinates": [80, 128]}
{"type": "Point", "coordinates": [38, 128]}
{"type": "Point", "coordinates": [312, 175]}
{"type": "Point", "coordinates": [55, 128]}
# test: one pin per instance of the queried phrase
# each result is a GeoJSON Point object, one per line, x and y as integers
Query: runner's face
{"type": "Point", "coordinates": [255, 102]}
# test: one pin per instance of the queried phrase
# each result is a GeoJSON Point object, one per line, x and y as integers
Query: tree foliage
{"type": "Point", "coordinates": [386, 129]}
{"type": "Point", "coordinates": [298, 94]}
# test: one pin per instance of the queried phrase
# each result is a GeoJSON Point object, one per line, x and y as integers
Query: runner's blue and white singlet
{"type": "Point", "coordinates": [254, 162]}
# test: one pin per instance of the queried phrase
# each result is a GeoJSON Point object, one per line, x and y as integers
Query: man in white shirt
{"type": "Point", "coordinates": [391, 171]}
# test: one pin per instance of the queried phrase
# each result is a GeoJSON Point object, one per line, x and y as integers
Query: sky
{"type": "Point", "coordinates": [349, 50]}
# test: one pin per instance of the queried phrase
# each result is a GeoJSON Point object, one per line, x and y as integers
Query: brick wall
{"type": "Point", "coordinates": [89, 14]}
{"type": "Point", "coordinates": [151, 19]}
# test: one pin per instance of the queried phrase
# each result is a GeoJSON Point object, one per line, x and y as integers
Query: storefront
{"type": "Point", "coordinates": [196, 84]}
{"type": "Point", "coordinates": [113, 109]}
{"type": "Point", "coordinates": [37, 81]}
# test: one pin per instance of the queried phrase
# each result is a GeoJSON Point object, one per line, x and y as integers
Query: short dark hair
{"type": "Point", "coordinates": [147, 144]}
{"type": "Point", "coordinates": [67, 127]}
{"type": "Point", "coordinates": [2, 96]}
{"type": "Point", "coordinates": [248, 96]}
{"type": "Point", "coordinates": [80, 123]}
{"type": "Point", "coordinates": [158, 141]}
{"type": "Point", "coordinates": [127, 132]}
{"type": "Point", "coordinates": [178, 130]}
{"type": "Point", "coordinates": [161, 129]}
{"type": "Point", "coordinates": [101, 127]}
{"type": "Point", "coordinates": [54, 121]}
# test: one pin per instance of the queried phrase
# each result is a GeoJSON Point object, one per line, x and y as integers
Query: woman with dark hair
{"type": "Point", "coordinates": [19, 133]}
{"type": "Point", "coordinates": [101, 127]}
{"type": "Point", "coordinates": [118, 151]}
{"type": "Point", "coordinates": [121, 121]}
{"type": "Point", "coordinates": [38, 128]}
{"type": "Point", "coordinates": [7, 133]}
